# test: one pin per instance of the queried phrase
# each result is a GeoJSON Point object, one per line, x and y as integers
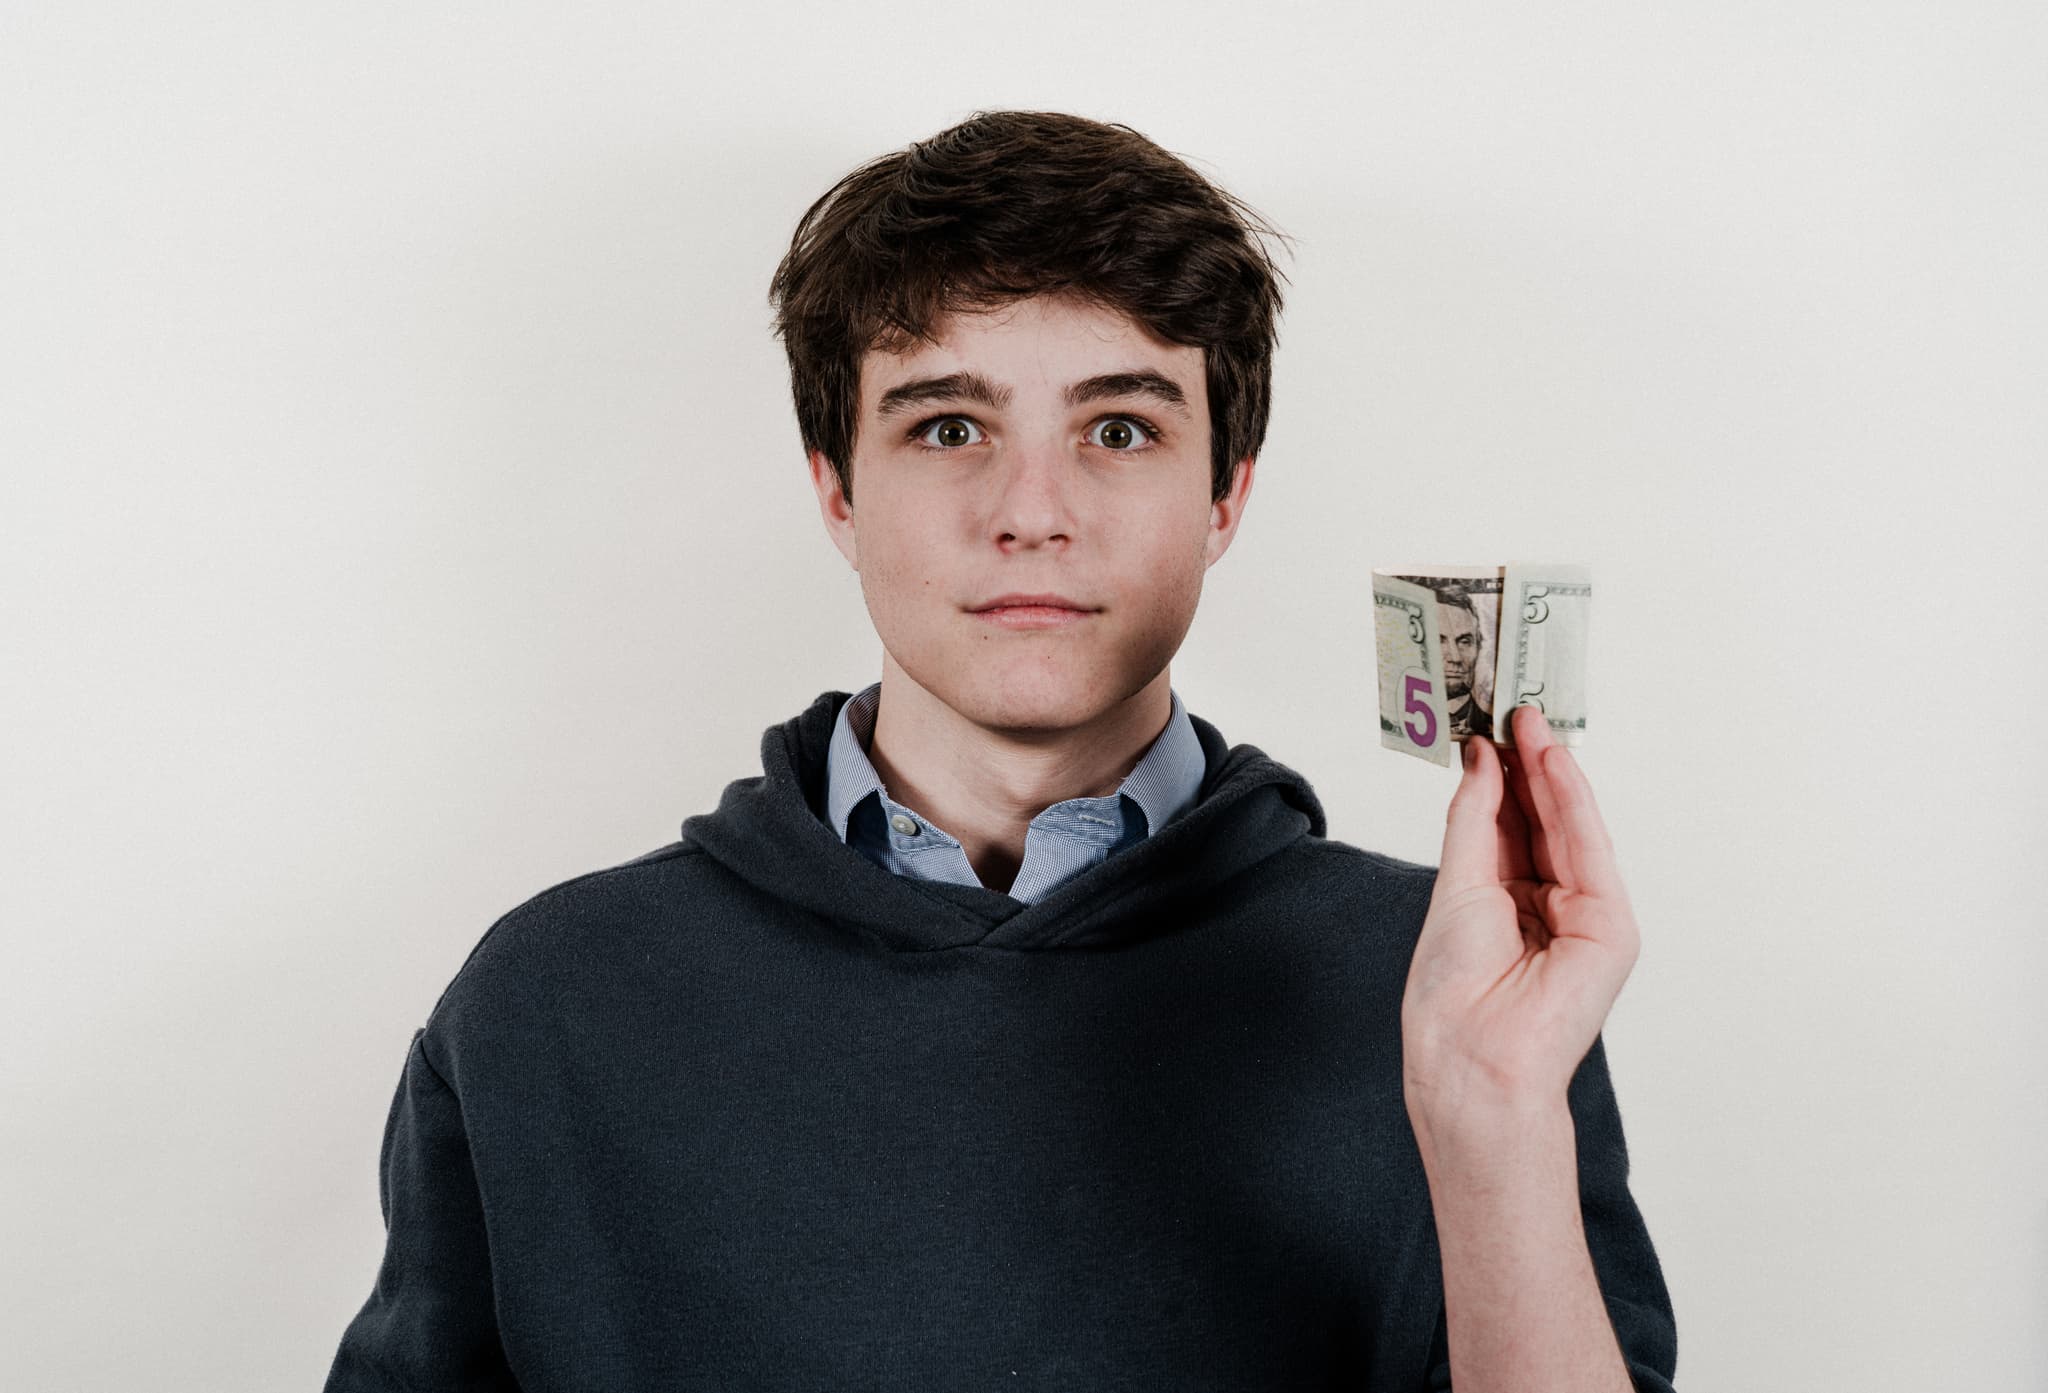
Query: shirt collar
{"type": "Point", "coordinates": [1162, 784]}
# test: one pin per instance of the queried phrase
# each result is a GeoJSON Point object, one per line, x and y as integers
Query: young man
{"type": "Point", "coordinates": [1013, 1028]}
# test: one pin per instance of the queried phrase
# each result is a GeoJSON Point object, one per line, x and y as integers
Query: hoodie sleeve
{"type": "Point", "coordinates": [430, 1321]}
{"type": "Point", "coordinates": [1624, 1261]}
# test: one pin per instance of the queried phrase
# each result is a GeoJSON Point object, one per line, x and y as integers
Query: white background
{"type": "Point", "coordinates": [403, 511]}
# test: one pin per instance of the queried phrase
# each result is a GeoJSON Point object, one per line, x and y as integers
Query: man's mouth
{"type": "Point", "coordinates": [1033, 616]}
{"type": "Point", "coordinates": [1037, 600]}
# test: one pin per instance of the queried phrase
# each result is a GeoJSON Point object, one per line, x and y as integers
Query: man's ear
{"type": "Point", "coordinates": [832, 505]}
{"type": "Point", "coordinates": [1228, 511]}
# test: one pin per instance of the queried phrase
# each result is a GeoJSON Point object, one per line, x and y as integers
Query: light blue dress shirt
{"type": "Point", "coordinates": [1061, 842]}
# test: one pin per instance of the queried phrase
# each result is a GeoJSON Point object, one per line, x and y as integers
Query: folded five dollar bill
{"type": "Point", "coordinates": [1461, 646]}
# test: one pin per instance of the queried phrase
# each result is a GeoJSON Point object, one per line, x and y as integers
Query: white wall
{"type": "Point", "coordinates": [400, 479]}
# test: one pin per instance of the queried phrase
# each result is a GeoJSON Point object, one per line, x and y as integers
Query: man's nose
{"type": "Point", "coordinates": [1033, 491]}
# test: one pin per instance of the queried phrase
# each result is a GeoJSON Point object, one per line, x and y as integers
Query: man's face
{"type": "Point", "coordinates": [1018, 476]}
{"type": "Point", "coordinates": [1459, 629]}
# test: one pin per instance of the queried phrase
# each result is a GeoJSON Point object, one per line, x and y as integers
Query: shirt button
{"type": "Point", "coordinates": [906, 825]}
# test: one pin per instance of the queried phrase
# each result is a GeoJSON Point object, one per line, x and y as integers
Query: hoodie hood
{"type": "Point", "coordinates": [770, 831]}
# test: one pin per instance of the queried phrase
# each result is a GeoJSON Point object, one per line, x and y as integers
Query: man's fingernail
{"type": "Point", "coordinates": [1471, 755]}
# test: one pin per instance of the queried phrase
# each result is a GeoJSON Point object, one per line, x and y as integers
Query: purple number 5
{"type": "Point", "coordinates": [1425, 737]}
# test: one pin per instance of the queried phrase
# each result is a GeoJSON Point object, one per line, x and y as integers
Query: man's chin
{"type": "Point", "coordinates": [1033, 701]}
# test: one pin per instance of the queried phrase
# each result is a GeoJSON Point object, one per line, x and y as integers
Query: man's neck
{"type": "Point", "coordinates": [982, 785]}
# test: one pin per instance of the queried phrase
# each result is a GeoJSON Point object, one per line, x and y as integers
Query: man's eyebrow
{"type": "Point", "coordinates": [954, 386]}
{"type": "Point", "coordinates": [972, 386]}
{"type": "Point", "coordinates": [1138, 382]}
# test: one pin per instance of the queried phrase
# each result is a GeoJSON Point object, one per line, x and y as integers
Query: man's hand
{"type": "Point", "coordinates": [1528, 939]}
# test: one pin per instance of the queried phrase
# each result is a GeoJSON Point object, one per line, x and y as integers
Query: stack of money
{"type": "Point", "coordinates": [1461, 646]}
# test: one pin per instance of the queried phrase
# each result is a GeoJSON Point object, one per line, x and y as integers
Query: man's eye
{"type": "Point", "coordinates": [1117, 434]}
{"type": "Point", "coordinates": [952, 433]}
{"type": "Point", "coordinates": [942, 433]}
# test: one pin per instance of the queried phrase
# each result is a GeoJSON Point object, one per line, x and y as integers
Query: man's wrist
{"type": "Point", "coordinates": [1463, 1121]}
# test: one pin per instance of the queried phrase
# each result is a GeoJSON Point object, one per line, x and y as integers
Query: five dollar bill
{"type": "Point", "coordinates": [1460, 647]}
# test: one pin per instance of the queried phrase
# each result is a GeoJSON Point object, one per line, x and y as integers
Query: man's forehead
{"type": "Point", "coordinates": [967, 342]}
{"type": "Point", "coordinates": [1067, 312]}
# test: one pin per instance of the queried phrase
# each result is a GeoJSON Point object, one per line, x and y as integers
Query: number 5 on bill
{"type": "Point", "coordinates": [1410, 667]}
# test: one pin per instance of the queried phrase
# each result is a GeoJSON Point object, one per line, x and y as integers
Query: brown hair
{"type": "Point", "coordinates": [1009, 204]}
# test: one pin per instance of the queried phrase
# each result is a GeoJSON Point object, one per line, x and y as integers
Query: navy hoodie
{"type": "Point", "coordinates": [751, 1112]}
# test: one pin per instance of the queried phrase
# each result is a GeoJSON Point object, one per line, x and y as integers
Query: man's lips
{"type": "Point", "coordinates": [1037, 600]}
{"type": "Point", "coordinates": [1033, 616]}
